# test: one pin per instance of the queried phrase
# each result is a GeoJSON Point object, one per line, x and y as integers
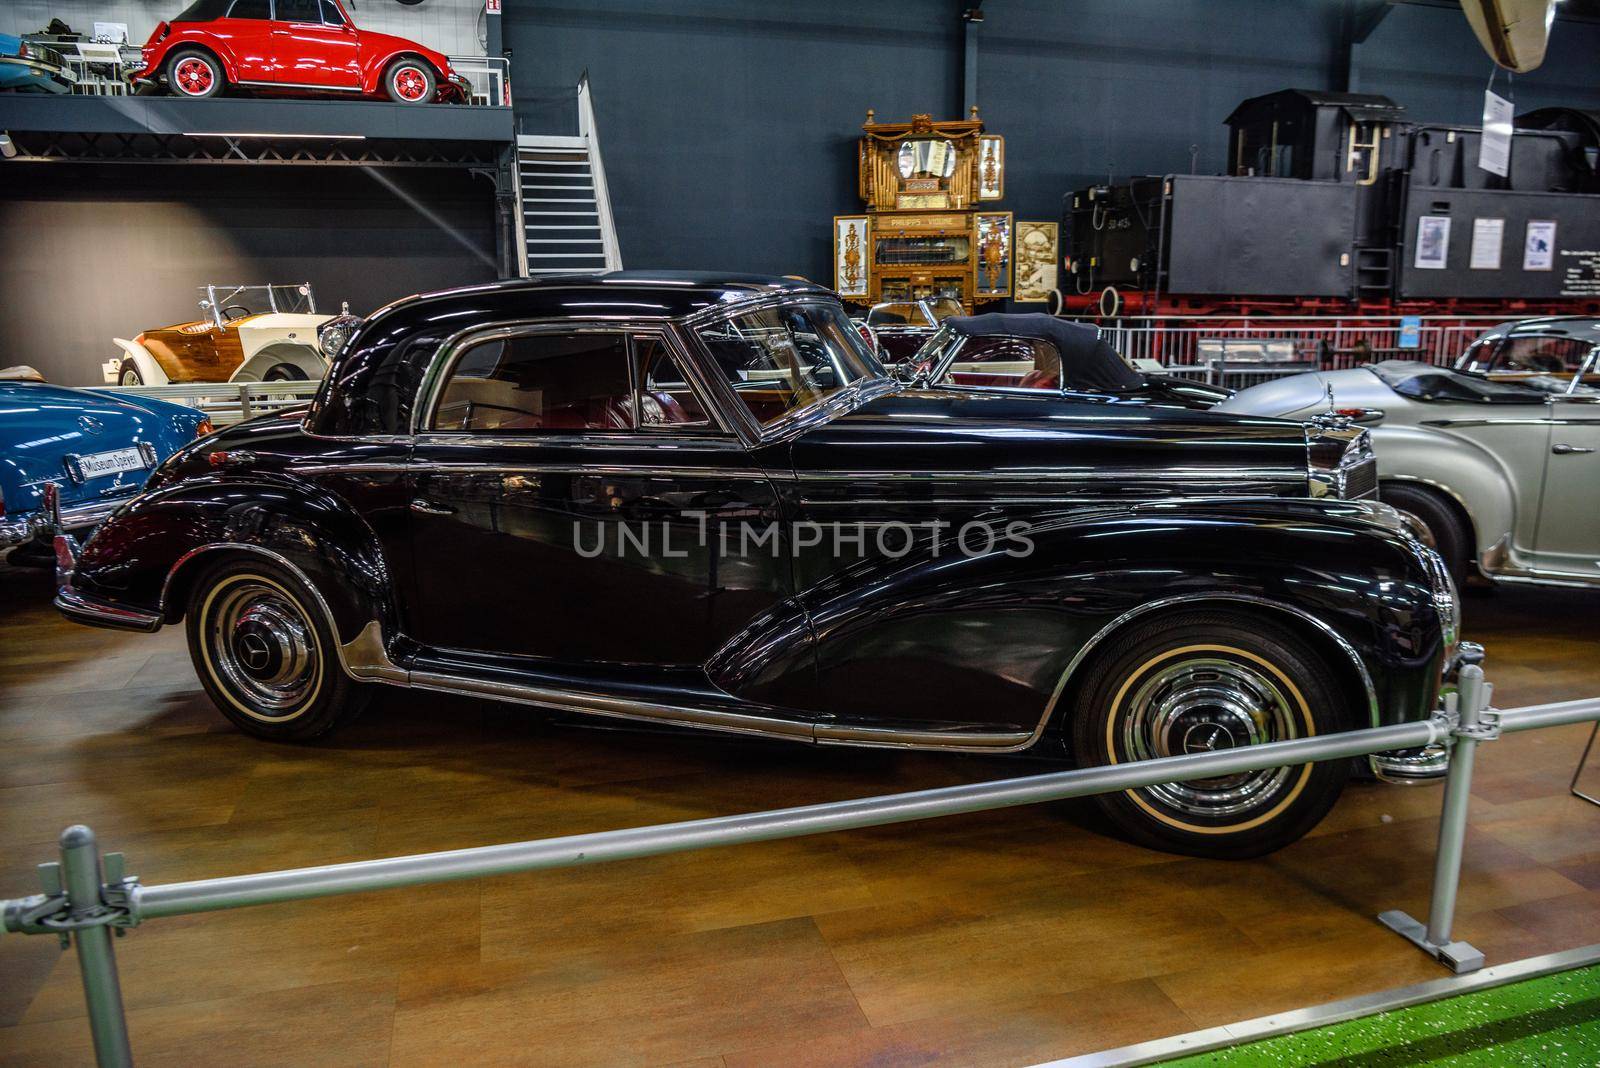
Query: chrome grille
{"type": "Point", "coordinates": [1361, 479]}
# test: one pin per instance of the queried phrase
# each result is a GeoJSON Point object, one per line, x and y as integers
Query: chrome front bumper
{"type": "Point", "coordinates": [42, 524]}
{"type": "Point", "coordinates": [1410, 767]}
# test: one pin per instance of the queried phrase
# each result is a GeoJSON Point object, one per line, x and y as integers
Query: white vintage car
{"type": "Point", "coordinates": [252, 333]}
{"type": "Point", "coordinates": [1499, 458]}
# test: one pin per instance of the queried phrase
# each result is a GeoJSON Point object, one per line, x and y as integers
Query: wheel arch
{"type": "Point", "coordinates": [361, 657]}
{"type": "Point", "coordinates": [1343, 660]}
{"type": "Point", "coordinates": [150, 368]}
{"type": "Point", "coordinates": [209, 47]}
{"type": "Point", "coordinates": [1473, 480]}
{"type": "Point", "coordinates": [376, 74]}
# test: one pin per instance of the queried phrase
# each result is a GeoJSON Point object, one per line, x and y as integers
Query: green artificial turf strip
{"type": "Point", "coordinates": [1553, 1021]}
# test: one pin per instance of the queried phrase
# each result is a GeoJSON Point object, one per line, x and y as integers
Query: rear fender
{"type": "Point", "coordinates": [148, 555]}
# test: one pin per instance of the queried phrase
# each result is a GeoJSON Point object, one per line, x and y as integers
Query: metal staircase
{"type": "Point", "coordinates": [563, 205]}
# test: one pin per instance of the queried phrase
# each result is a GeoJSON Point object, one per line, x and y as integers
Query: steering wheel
{"type": "Point", "coordinates": [228, 311]}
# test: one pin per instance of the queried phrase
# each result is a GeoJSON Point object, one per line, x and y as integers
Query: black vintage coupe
{"type": "Point", "coordinates": [696, 499]}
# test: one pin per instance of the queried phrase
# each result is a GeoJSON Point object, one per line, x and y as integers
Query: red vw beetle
{"type": "Point", "coordinates": [291, 46]}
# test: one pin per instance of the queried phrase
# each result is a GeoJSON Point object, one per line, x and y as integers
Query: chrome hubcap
{"type": "Point", "coordinates": [263, 646]}
{"type": "Point", "coordinates": [1203, 705]}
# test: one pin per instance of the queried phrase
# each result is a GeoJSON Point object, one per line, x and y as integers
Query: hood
{"type": "Point", "coordinates": [40, 425]}
{"type": "Point", "coordinates": [1022, 444]}
{"type": "Point", "coordinates": [1302, 396]}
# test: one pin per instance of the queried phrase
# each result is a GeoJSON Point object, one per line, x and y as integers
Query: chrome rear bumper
{"type": "Point", "coordinates": [82, 608]}
{"type": "Point", "coordinates": [76, 517]}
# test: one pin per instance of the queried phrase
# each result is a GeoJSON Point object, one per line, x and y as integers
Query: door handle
{"type": "Point", "coordinates": [423, 507]}
{"type": "Point", "coordinates": [1568, 450]}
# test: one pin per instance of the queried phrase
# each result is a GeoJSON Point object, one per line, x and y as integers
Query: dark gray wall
{"type": "Point", "coordinates": [92, 252]}
{"type": "Point", "coordinates": [728, 127]}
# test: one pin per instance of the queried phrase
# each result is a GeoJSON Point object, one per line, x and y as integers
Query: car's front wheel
{"type": "Point", "coordinates": [409, 81]}
{"type": "Point", "coordinates": [265, 653]}
{"type": "Point", "coordinates": [128, 374]}
{"type": "Point", "coordinates": [1199, 682]}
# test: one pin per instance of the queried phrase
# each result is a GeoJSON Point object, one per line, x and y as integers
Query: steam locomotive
{"type": "Point", "coordinates": [1336, 203]}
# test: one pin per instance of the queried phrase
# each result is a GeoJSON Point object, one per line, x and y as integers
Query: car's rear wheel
{"type": "Point", "coordinates": [128, 374]}
{"type": "Point", "coordinates": [1451, 538]}
{"type": "Point", "coordinates": [409, 81]}
{"type": "Point", "coordinates": [1204, 681]}
{"type": "Point", "coordinates": [194, 73]}
{"type": "Point", "coordinates": [284, 372]}
{"type": "Point", "coordinates": [265, 653]}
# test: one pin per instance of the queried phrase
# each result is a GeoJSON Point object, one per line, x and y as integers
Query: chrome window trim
{"type": "Point", "coordinates": [452, 348]}
{"type": "Point", "coordinates": [796, 418]}
{"type": "Point", "coordinates": [1062, 474]}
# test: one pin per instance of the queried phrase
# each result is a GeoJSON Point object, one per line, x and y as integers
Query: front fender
{"type": "Point", "coordinates": [1005, 635]}
{"type": "Point", "coordinates": [151, 370]}
{"type": "Point", "coordinates": [146, 555]}
{"type": "Point", "coordinates": [1456, 466]}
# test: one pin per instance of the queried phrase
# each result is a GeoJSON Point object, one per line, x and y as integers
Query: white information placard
{"type": "Point", "coordinates": [1494, 150]}
{"type": "Point", "coordinates": [1539, 248]}
{"type": "Point", "coordinates": [1488, 236]}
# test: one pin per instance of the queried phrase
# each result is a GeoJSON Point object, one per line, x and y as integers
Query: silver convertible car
{"type": "Point", "coordinates": [1499, 458]}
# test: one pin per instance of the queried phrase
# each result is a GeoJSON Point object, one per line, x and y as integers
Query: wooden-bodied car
{"type": "Point", "coordinates": [697, 499]}
{"type": "Point", "coordinates": [257, 333]}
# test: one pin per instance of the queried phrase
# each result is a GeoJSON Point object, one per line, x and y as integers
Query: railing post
{"type": "Point", "coordinates": [102, 994]}
{"type": "Point", "coordinates": [1472, 699]}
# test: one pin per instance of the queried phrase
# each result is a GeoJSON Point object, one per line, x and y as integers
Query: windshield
{"type": "Point", "coordinates": [944, 307]}
{"type": "Point", "coordinates": [782, 359]}
{"type": "Point", "coordinates": [935, 349]}
{"type": "Point", "coordinates": [1425, 382]}
{"type": "Point", "coordinates": [226, 303]}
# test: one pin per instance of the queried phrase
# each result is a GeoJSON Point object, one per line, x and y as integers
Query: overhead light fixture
{"type": "Point", "coordinates": [287, 136]}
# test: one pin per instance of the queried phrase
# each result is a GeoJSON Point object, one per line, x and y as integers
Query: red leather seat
{"type": "Point", "coordinates": [1037, 379]}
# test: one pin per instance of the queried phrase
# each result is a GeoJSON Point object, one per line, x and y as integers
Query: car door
{"type": "Point", "coordinates": [246, 34]}
{"type": "Point", "coordinates": [570, 493]}
{"type": "Point", "coordinates": [1568, 539]}
{"type": "Point", "coordinates": [314, 46]}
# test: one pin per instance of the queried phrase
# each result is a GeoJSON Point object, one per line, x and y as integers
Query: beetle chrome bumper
{"type": "Point", "coordinates": [1408, 767]}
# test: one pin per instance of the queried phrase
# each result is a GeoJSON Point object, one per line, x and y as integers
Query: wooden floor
{"type": "Point", "coordinates": [999, 938]}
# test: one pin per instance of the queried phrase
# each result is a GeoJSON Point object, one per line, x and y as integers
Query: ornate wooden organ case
{"type": "Point", "coordinates": [924, 234]}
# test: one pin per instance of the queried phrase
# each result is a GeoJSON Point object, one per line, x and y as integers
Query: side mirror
{"type": "Point", "coordinates": [1513, 32]}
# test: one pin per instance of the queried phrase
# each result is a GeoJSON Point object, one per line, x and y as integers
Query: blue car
{"type": "Point", "coordinates": [32, 67]}
{"type": "Point", "coordinates": [97, 447]}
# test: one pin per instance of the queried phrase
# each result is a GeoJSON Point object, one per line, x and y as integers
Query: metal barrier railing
{"type": "Point", "coordinates": [1326, 343]}
{"type": "Point", "coordinates": [490, 77]}
{"type": "Point", "coordinates": [228, 402]}
{"type": "Point", "coordinates": [85, 900]}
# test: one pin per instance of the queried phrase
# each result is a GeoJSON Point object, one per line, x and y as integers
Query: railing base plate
{"type": "Point", "coordinates": [1459, 957]}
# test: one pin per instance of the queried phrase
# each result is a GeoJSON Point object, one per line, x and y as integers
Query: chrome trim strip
{"type": "Point", "coordinates": [614, 707]}
{"type": "Point", "coordinates": [576, 469]}
{"type": "Point", "coordinates": [1061, 474]}
{"type": "Point", "coordinates": [302, 85]}
{"type": "Point", "coordinates": [81, 608]}
{"type": "Point", "coordinates": [1509, 422]}
{"type": "Point", "coordinates": [881, 737]}
{"type": "Point", "coordinates": [1285, 1023]}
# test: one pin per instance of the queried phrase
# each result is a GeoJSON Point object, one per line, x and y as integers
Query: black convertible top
{"type": "Point", "coordinates": [1087, 363]}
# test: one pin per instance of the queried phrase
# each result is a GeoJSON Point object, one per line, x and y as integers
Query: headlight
{"type": "Point", "coordinates": [335, 334]}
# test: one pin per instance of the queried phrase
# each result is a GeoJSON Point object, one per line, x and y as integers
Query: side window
{"type": "Point", "coordinates": [1006, 361]}
{"type": "Point", "coordinates": [331, 13]}
{"type": "Point", "coordinates": [250, 9]}
{"type": "Point", "coordinates": [538, 384]}
{"type": "Point", "coordinates": [1540, 355]}
{"type": "Point", "coordinates": [667, 400]}
{"type": "Point", "coordinates": [298, 10]}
